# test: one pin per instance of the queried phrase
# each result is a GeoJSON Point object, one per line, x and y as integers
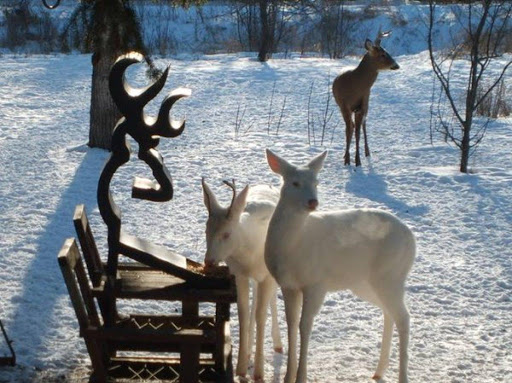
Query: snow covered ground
{"type": "Point", "coordinates": [459, 291]}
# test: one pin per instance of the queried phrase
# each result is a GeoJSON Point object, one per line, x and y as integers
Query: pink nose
{"type": "Point", "coordinates": [312, 204]}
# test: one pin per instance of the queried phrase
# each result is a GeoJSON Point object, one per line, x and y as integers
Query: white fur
{"type": "Point", "coordinates": [246, 222]}
{"type": "Point", "coordinates": [367, 251]}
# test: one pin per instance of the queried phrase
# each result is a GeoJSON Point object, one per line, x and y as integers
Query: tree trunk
{"type": "Point", "coordinates": [268, 12]}
{"type": "Point", "coordinates": [464, 148]}
{"type": "Point", "coordinates": [115, 31]}
{"type": "Point", "coordinates": [103, 114]}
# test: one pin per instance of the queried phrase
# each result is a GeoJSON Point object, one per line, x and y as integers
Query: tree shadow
{"type": "Point", "coordinates": [494, 211]}
{"type": "Point", "coordinates": [366, 183]}
{"type": "Point", "coordinates": [36, 318]}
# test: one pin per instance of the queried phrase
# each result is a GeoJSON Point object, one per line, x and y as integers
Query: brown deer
{"type": "Point", "coordinates": [351, 91]}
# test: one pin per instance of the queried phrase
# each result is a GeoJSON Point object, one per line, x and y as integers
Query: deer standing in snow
{"type": "Point", "coordinates": [351, 91]}
{"type": "Point", "coordinates": [367, 251]}
{"type": "Point", "coordinates": [236, 235]}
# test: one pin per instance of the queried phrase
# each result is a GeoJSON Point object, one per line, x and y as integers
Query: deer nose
{"type": "Point", "coordinates": [312, 204]}
{"type": "Point", "coordinates": [209, 263]}
{"type": "Point", "coordinates": [395, 66]}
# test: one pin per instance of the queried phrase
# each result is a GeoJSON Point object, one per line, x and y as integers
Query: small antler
{"type": "Point", "coordinates": [233, 188]}
{"type": "Point", "coordinates": [380, 35]}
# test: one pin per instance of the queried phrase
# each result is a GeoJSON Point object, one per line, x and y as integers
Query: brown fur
{"type": "Point", "coordinates": [351, 91]}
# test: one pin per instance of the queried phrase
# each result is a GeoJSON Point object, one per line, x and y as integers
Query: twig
{"type": "Point", "coordinates": [281, 116]}
{"type": "Point", "coordinates": [238, 120]}
{"type": "Point", "coordinates": [309, 112]}
{"type": "Point", "coordinates": [326, 111]}
{"type": "Point", "coordinates": [270, 109]}
{"type": "Point", "coordinates": [333, 130]}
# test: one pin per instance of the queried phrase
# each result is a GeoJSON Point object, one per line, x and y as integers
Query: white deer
{"type": "Point", "coordinates": [351, 90]}
{"type": "Point", "coordinates": [367, 251]}
{"type": "Point", "coordinates": [236, 235]}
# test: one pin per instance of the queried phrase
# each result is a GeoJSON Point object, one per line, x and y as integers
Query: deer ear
{"type": "Point", "coordinates": [276, 163]}
{"type": "Point", "coordinates": [238, 205]}
{"type": "Point", "coordinates": [316, 163]}
{"type": "Point", "coordinates": [368, 45]}
{"type": "Point", "coordinates": [209, 198]}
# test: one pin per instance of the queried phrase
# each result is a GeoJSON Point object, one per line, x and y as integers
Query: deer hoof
{"type": "Point", "coordinates": [279, 350]}
{"type": "Point", "coordinates": [377, 378]}
{"type": "Point", "coordinates": [258, 379]}
{"type": "Point", "coordinates": [242, 379]}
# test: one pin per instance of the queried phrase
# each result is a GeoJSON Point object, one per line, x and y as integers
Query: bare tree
{"type": "Point", "coordinates": [336, 27]}
{"type": "Point", "coordinates": [261, 25]}
{"type": "Point", "coordinates": [485, 24]}
{"type": "Point", "coordinates": [268, 18]}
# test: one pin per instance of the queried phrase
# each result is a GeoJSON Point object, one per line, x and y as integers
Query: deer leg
{"type": "Point", "coordinates": [358, 121]}
{"type": "Point", "coordinates": [366, 147]}
{"type": "Point", "coordinates": [393, 302]}
{"type": "Point", "coordinates": [252, 321]}
{"type": "Point", "coordinates": [292, 303]}
{"type": "Point", "coordinates": [242, 285]}
{"type": "Point", "coordinates": [402, 324]}
{"type": "Point", "coordinates": [385, 348]}
{"type": "Point", "coordinates": [276, 334]}
{"type": "Point", "coordinates": [265, 290]}
{"type": "Point", "coordinates": [349, 130]}
{"type": "Point", "coordinates": [313, 297]}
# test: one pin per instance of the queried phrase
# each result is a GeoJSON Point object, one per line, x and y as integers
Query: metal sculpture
{"type": "Point", "coordinates": [146, 131]}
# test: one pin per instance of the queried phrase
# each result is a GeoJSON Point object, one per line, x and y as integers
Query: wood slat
{"type": "Point", "coordinates": [162, 369]}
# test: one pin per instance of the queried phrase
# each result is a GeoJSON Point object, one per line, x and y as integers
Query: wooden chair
{"type": "Point", "coordinates": [175, 342]}
{"type": "Point", "coordinates": [186, 348]}
{"type": "Point", "coordinates": [137, 281]}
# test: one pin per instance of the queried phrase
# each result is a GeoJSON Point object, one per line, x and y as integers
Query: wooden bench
{"type": "Point", "coordinates": [182, 342]}
{"type": "Point", "coordinates": [138, 281]}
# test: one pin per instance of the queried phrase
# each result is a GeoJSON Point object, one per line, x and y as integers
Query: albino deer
{"type": "Point", "coordinates": [351, 91]}
{"type": "Point", "coordinates": [367, 251]}
{"type": "Point", "coordinates": [236, 235]}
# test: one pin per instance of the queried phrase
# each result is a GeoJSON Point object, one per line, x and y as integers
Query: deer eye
{"type": "Point", "coordinates": [225, 235]}
{"type": "Point", "coordinates": [296, 184]}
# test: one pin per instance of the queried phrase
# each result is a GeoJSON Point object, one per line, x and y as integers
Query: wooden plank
{"type": "Point", "coordinates": [163, 259]}
{"type": "Point", "coordinates": [189, 363]}
{"type": "Point", "coordinates": [162, 369]}
{"type": "Point", "coordinates": [68, 258]}
{"type": "Point", "coordinates": [150, 252]}
{"type": "Point", "coordinates": [151, 336]}
{"type": "Point", "coordinates": [205, 322]}
{"type": "Point", "coordinates": [88, 245]}
{"type": "Point", "coordinates": [140, 283]}
{"type": "Point", "coordinates": [190, 308]}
